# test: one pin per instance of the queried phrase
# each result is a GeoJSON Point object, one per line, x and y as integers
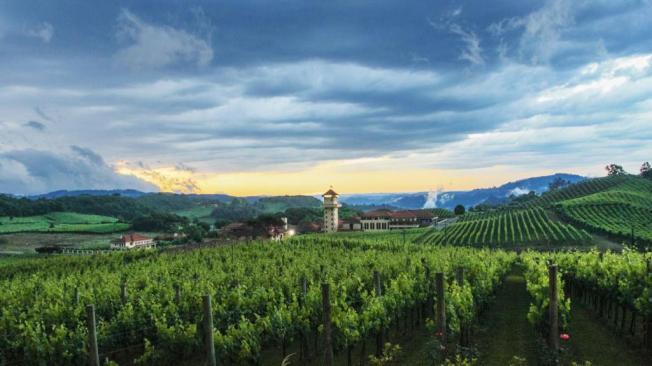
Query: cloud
{"type": "Point", "coordinates": [542, 30]}
{"type": "Point", "coordinates": [88, 155]}
{"type": "Point", "coordinates": [31, 171]}
{"type": "Point", "coordinates": [35, 125]}
{"type": "Point", "coordinates": [42, 114]}
{"type": "Point", "coordinates": [293, 87]}
{"type": "Point", "coordinates": [43, 31]}
{"type": "Point", "coordinates": [153, 46]}
{"type": "Point", "coordinates": [178, 179]}
{"type": "Point", "coordinates": [184, 167]}
{"type": "Point", "coordinates": [472, 51]}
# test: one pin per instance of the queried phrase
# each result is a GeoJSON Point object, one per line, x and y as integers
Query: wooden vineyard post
{"type": "Point", "coordinates": [429, 303]}
{"type": "Point", "coordinates": [208, 332]}
{"type": "Point", "coordinates": [303, 346]}
{"type": "Point", "coordinates": [76, 295]}
{"type": "Point", "coordinates": [123, 291]}
{"type": "Point", "coordinates": [459, 276]}
{"type": "Point", "coordinates": [441, 306]}
{"type": "Point", "coordinates": [553, 309]}
{"type": "Point", "coordinates": [177, 294]}
{"type": "Point", "coordinates": [93, 354]}
{"type": "Point", "coordinates": [379, 336]}
{"type": "Point", "coordinates": [328, 341]}
{"type": "Point", "coordinates": [464, 328]}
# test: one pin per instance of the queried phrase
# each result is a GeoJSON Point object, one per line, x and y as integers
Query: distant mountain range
{"type": "Point", "coordinates": [452, 198]}
{"type": "Point", "coordinates": [398, 200]}
{"type": "Point", "coordinates": [90, 192]}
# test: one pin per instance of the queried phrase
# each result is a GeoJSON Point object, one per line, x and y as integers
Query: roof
{"type": "Point", "coordinates": [352, 220]}
{"type": "Point", "coordinates": [403, 215]}
{"type": "Point", "coordinates": [421, 214]}
{"type": "Point", "coordinates": [233, 225]}
{"type": "Point", "coordinates": [330, 192]}
{"type": "Point", "coordinates": [130, 238]}
{"type": "Point", "coordinates": [378, 213]}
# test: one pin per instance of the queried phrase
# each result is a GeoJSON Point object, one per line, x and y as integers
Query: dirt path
{"type": "Point", "coordinates": [504, 329]}
{"type": "Point", "coordinates": [592, 341]}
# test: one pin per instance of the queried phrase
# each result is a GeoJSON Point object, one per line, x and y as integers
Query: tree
{"type": "Point", "coordinates": [523, 198]}
{"type": "Point", "coordinates": [194, 233]}
{"type": "Point", "coordinates": [646, 170]}
{"type": "Point", "coordinates": [459, 210]}
{"type": "Point", "coordinates": [159, 222]}
{"type": "Point", "coordinates": [614, 169]}
{"type": "Point", "coordinates": [558, 183]}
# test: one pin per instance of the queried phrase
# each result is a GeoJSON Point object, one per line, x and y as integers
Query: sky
{"type": "Point", "coordinates": [291, 97]}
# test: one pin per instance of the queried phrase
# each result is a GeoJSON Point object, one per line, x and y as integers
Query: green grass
{"type": "Point", "coordinates": [201, 213]}
{"type": "Point", "coordinates": [594, 342]}
{"type": "Point", "coordinates": [504, 331]}
{"type": "Point", "coordinates": [62, 222]}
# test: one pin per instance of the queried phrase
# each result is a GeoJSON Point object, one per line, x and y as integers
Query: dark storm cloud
{"type": "Point", "coordinates": [42, 114]}
{"type": "Point", "coordinates": [247, 85]}
{"type": "Point", "coordinates": [31, 171]}
{"type": "Point", "coordinates": [35, 125]}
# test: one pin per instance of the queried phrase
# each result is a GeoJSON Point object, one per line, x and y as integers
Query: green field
{"type": "Point", "coordinates": [62, 222]}
{"type": "Point", "coordinates": [201, 213]}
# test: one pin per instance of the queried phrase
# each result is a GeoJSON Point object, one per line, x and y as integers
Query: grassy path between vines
{"type": "Point", "coordinates": [593, 341]}
{"type": "Point", "coordinates": [504, 329]}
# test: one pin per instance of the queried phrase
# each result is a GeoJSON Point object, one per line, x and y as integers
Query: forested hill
{"type": "Point", "coordinates": [129, 207]}
{"type": "Point", "coordinates": [123, 208]}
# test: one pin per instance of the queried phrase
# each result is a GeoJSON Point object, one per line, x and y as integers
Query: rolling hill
{"type": "Point", "coordinates": [619, 206]}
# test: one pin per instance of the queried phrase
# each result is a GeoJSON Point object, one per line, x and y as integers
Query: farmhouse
{"type": "Point", "coordinates": [133, 240]}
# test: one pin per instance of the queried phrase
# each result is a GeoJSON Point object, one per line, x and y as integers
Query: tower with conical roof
{"type": "Point", "coordinates": [331, 214]}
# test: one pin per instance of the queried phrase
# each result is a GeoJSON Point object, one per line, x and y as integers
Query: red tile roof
{"type": "Point", "coordinates": [352, 220]}
{"type": "Point", "coordinates": [377, 213]}
{"type": "Point", "coordinates": [423, 214]}
{"type": "Point", "coordinates": [330, 192]}
{"type": "Point", "coordinates": [130, 238]}
{"type": "Point", "coordinates": [405, 214]}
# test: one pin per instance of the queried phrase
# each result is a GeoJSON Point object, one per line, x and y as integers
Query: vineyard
{"type": "Point", "coordinates": [617, 288]}
{"type": "Point", "coordinates": [265, 295]}
{"type": "Point", "coordinates": [581, 189]}
{"type": "Point", "coordinates": [265, 301]}
{"type": "Point", "coordinates": [62, 222]}
{"type": "Point", "coordinates": [512, 227]}
{"type": "Point", "coordinates": [622, 211]}
{"type": "Point", "coordinates": [612, 219]}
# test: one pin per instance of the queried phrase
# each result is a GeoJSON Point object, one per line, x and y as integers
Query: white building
{"type": "Point", "coordinates": [395, 220]}
{"type": "Point", "coordinates": [331, 214]}
{"type": "Point", "coordinates": [133, 240]}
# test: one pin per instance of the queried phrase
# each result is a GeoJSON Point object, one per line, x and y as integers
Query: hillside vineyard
{"type": "Point", "coordinates": [510, 227]}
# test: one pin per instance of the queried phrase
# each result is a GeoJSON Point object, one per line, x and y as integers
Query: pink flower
{"type": "Point", "coordinates": [564, 336]}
